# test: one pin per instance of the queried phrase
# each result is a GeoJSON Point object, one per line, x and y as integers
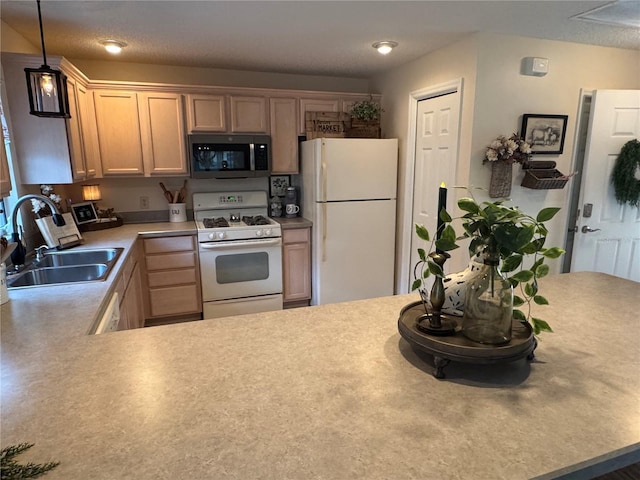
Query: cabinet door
{"type": "Point", "coordinates": [206, 113]}
{"type": "Point", "coordinates": [87, 118]}
{"type": "Point", "coordinates": [131, 308]}
{"type": "Point", "coordinates": [284, 136]}
{"type": "Point", "coordinates": [315, 105]}
{"type": "Point", "coordinates": [248, 114]}
{"type": "Point", "coordinates": [5, 173]}
{"type": "Point", "coordinates": [118, 125]}
{"type": "Point", "coordinates": [74, 131]}
{"type": "Point", "coordinates": [162, 132]}
{"type": "Point", "coordinates": [296, 265]}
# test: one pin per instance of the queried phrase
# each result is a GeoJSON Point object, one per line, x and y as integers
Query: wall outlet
{"type": "Point", "coordinates": [144, 203]}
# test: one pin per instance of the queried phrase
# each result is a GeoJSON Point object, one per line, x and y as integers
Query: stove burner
{"type": "Point", "coordinates": [257, 220]}
{"type": "Point", "coordinates": [215, 222]}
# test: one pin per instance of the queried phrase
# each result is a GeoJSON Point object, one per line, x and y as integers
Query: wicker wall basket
{"type": "Point", "coordinates": [501, 175]}
{"type": "Point", "coordinates": [546, 179]}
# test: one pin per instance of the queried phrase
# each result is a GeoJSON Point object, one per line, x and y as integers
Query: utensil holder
{"type": "Point", "coordinates": [177, 212]}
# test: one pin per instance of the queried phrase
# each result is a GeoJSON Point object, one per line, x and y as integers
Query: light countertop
{"type": "Point", "coordinates": [327, 392]}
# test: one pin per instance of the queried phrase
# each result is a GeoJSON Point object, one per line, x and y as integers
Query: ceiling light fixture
{"type": "Point", "coordinates": [385, 47]}
{"type": "Point", "coordinates": [113, 46]}
{"type": "Point", "coordinates": [47, 87]}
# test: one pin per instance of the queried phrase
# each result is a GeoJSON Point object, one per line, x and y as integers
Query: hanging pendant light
{"type": "Point", "coordinates": [47, 87]}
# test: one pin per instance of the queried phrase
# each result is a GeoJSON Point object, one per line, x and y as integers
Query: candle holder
{"type": "Point", "coordinates": [433, 322]}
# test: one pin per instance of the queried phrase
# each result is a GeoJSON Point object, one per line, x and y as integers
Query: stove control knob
{"type": "Point", "coordinates": [268, 232]}
{"type": "Point", "coordinates": [221, 235]}
{"type": "Point", "coordinates": [258, 233]}
{"type": "Point", "coordinates": [211, 236]}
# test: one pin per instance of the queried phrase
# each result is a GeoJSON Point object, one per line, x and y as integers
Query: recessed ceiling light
{"type": "Point", "coordinates": [385, 47]}
{"type": "Point", "coordinates": [113, 46]}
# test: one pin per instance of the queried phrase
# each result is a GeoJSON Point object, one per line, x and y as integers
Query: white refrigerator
{"type": "Point", "coordinates": [348, 191]}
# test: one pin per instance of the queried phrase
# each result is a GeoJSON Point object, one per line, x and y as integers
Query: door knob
{"type": "Point", "coordinates": [586, 229]}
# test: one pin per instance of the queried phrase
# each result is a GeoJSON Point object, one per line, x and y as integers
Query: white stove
{"type": "Point", "coordinates": [226, 216]}
{"type": "Point", "coordinates": [240, 251]}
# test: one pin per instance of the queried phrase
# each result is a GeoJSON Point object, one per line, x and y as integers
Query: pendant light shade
{"type": "Point", "coordinates": [47, 87]}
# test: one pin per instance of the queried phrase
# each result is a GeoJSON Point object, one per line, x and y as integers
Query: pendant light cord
{"type": "Point", "coordinates": [44, 52]}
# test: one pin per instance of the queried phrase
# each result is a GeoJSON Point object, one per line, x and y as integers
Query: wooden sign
{"type": "Point", "coordinates": [327, 124]}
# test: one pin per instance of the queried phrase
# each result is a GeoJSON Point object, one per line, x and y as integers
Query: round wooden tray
{"type": "Point", "coordinates": [459, 348]}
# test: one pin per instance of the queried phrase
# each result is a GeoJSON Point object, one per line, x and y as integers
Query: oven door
{"type": "Point", "coordinates": [240, 269]}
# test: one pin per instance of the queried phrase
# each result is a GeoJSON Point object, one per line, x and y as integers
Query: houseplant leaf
{"type": "Point", "coordinates": [547, 214]}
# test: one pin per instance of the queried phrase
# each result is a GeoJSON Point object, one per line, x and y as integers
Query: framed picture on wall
{"type": "Point", "coordinates": [545, 133]}
{"type": "Point", "coordinates": [278, 185]}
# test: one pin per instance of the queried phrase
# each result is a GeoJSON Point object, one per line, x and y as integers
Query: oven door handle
{"type": "Point", "coordinates": [233, 245]}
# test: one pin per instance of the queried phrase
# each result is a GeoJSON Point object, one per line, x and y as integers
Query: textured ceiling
{"type": "Point", "coordinates": [303, 37]}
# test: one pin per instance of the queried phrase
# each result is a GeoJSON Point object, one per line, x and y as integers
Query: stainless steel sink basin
{"type": "Point", "coordinates": [56, 275]}
{"type": "Point", "coordinates": [69, 266]}
{"type": "Point", "coordinates": [78, 257]}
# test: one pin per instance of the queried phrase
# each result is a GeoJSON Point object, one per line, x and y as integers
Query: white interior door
{"type": "Point", "coordinates": [608, 237]}
{"type": "Point", "coordinates": [435, 162]}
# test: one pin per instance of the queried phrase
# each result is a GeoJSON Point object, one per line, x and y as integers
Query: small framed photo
{"type": "Point", "coordinates": [278, 185]}
{"type": "Point", "coordinates": [84, 213]}
{"type": "Point", "coordinates": [545, 133]}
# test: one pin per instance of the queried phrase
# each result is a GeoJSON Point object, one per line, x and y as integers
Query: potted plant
{"type": "Point", "coordinates": [365, 120]}
{"type": "Point", "coordinates": [366, 111]}
{"type": "Point", "coordinates": [502, 153]}
{"type": "Point", "coordinates": [510, 243]}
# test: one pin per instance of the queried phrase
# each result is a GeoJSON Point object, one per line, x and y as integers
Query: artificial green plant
{"type": "Point", "coordinates": [503, 233]}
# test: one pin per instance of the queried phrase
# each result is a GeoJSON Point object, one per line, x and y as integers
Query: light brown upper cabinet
{"type": "Point", "coordinates": [248, 114]}
{"type": "Point", "coordinates": [162, 132]}
{"type": "Point", "coordinates": [140, 133]}
{"type": "Point", "coordinates": [206, 113]}
{"type": "Point", "coordinates": [283, 114]}
{"type": "Point", "coordinates": [5, 174]}
{"type": "Point", "coordinates": [83, 156]}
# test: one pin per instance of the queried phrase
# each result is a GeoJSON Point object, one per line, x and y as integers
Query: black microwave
{"type": "Point", "coordinates": [230, 156]}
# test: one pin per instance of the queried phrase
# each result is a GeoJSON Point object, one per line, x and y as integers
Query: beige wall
{"type": "Point", "coordinates": [495, 95]}
{"type": "Point", "coordinates": [12, 41]}
{"type": "Point", "coordinates": [503, 95]}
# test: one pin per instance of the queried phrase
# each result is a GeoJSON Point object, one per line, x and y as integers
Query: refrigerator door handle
{"type": "Point", "coordinates": [323, 179]}
{"type": "Point", "coordinates": [324, 232]}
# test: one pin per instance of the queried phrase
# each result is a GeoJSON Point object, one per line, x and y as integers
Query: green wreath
{"type": "Point", "coordinates": [625, 174]}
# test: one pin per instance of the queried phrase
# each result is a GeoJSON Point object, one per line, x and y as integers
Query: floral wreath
{"type": "Point", "coordinates": [626, 173]}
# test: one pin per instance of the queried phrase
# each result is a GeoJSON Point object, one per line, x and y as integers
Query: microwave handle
{"type": "Point", "coordinates": [252, 156]}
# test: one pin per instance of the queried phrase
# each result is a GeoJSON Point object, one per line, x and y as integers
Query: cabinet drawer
{"type": "Point", "coordinates": [169, 244]}
{"type": "Point", "coordinates": [174, 300]}
{"type": "Point", "coordinates": [296, 235]}
{"type": "Point", "coordinates": [178, 277]}
{"type": "Point", "coordinates": [172, 260]}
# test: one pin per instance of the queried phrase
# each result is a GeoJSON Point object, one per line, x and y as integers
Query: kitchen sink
{"type": "Point", "coordinates": [56, 275]}
{"type": "Point", "coordinates": [78, 257]}
{"type": "Point", "coordinates": [61, 267]}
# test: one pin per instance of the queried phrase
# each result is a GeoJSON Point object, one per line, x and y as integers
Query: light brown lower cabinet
{"type": "Point", "coordinates": [172, 274]}
{"type": "Point", "coordinates": [129, 288]}
{"type": "Point", "coordinates": [296, 267]}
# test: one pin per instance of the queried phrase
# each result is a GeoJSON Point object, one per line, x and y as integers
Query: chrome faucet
{"type": "Point", "coordinates": [40, 252]}
{"type": "Point", "coordinates": [19, 254]}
